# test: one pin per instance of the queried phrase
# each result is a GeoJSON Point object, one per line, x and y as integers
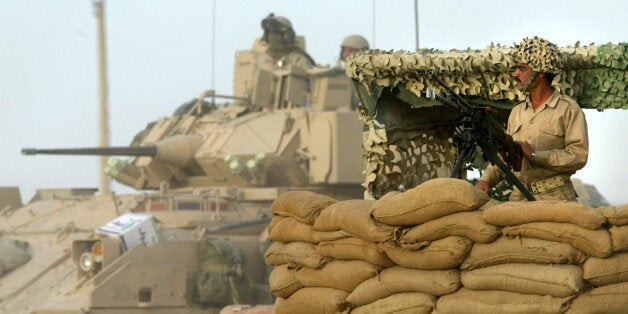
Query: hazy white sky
{"type": "Point", "coordinates": [160, 55]}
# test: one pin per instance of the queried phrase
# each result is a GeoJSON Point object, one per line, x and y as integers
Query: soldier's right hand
{"type": "Point", "coordinates": [483, 186]}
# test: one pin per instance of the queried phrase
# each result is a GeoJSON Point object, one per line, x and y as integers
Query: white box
{"type": "Point", "coordinates": [132, 229]}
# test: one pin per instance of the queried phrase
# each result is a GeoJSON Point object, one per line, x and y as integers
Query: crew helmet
{"type": "Point", "coordinates": [540, 54]}
{"type": "Point", "coordinates": [355, 41]}
{"type": "Point", "coordinates": [280, 24]}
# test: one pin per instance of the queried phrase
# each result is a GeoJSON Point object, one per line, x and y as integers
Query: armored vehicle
{"type": "Point", "coordinates": [209, 174]}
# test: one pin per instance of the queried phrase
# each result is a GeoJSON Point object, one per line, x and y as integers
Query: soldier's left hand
{"type": "Point", "coordinates": [526, 148]}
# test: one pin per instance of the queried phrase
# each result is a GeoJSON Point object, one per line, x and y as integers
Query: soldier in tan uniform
{"type": "Point", "coordinates": [550, 127]}
{"type": "Point", "coordinates": [351, 45]}
{"type": "Point", "coordinates": [281, 44]}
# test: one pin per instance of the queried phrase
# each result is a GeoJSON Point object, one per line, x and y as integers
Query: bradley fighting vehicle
{"type": "Point", "coordinates": [210, 173]}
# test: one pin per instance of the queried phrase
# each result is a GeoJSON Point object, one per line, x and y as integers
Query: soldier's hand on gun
{"type": "Point", "coordinates": [483, 186]}
{"type": "Point", "coordinates": [526, 148]}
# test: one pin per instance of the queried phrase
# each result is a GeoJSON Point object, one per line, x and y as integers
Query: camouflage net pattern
{"type": "Point", "coordinates": [595, 76]}
{"type": "Point", "coordinates": [407, 163]}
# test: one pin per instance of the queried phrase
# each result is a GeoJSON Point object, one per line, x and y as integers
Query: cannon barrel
{"type": "Point", "coordinates": [97, 151]}
{"type": "Point", "coordinates": [177, 150]}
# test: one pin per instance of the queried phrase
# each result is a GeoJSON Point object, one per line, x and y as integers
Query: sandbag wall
{"type": "Point", "coordinates": [445, 247]}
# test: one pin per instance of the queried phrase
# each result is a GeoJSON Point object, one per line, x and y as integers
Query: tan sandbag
{"type": "Point", "coordinates": [405, 302]}
{"type": "Point", "coordinates": [399, 279]}
{"type": "Point", "coordinates": [354, 217]}
{"type": "Point", "coordinates": [288, 229]}
{"type": "Point", "coordinates": [465, 224]}
{"type": "Point", "coordinates": [300, 253]}
{"type": "Point", "coordinates": [283, 282]}
{"type": "Point", "coordinates": [606, 271]}
{"type": "Point", "coordinates": [465, 301]}
{"type": "Point", "coordinates": [445, 253]}
{"type": "Point", "coordinates": [521, 250]}
{"type": "Point", "coordinates": [311, 300]}
{"type": "Point", "coordinates": [619, 237]}
{"type": "Point", "coordinates": [616, 215]}
{"type": "Point", "coordinates": [607, 299]}
{"type": "Point", "coordinates": [518, 213]}
{"type": "Point", "coordinates": [303, 206]}
{"type": "Point", "coordinates": [591, 242]}
{"type": "Point", "coordinates": [341, 275]}
{"type": "Point", "coordinates": [555, 280]}
{"type": "Point", "coordinates": [354, 249]}
{"type": "Point", "coordinates": [491, 203]}
{"type": "Point", "coordinates": [430, 200]}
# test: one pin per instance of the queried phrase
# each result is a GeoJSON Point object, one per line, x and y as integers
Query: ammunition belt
{"type": "Point", "coordinates": [545, 185]}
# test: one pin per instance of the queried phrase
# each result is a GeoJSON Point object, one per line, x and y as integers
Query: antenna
{"type": "Point", "coordinates": [416, 23]}
{"type": "Point", "coordinates": [213, 50]}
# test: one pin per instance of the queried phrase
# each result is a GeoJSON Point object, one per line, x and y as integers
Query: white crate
{"type": "Point", "coordinates": [132, 229]}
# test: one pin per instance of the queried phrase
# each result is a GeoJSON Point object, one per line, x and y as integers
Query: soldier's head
{"type": "Point", "coordinates": [351, 45]}
{"type": "Point", "coordinates": [535, 56]}
{"type": "Point", "coordinates": [278, 31]}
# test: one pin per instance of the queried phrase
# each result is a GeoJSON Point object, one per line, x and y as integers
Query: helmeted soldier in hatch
{"type": "Point", "coordinates": [351, 45]}
{"type": "Point", "coordinates": [282, 46]}
{"type": "Point", "coordinates": [550, 127]}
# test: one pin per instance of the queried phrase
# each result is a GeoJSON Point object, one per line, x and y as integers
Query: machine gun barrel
{"type": "Point", "coordinates": [96, 151]}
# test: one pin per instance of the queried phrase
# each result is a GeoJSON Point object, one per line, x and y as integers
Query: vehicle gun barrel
{"type": "Point", "coordinates": [96, 151]}
{"type": "Point", "coordinates": [177, 150]}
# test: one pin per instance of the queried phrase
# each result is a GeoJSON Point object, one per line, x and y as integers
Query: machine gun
{"type": "Point", "coordinates": [479, 128]}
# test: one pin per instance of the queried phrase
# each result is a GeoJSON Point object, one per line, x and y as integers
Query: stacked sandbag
{"type": "Point", "coordinates": [445, 247]}
{"type": "Point", "coordinates": [609, 275]}
{"type": "Point", "coordinates": [306, 278]}
{"type": "Point", "coordinates": [435, 224]}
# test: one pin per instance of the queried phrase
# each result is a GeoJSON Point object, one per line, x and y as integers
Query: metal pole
{"type": "Point", "coordinates": [103, 88]}
{"type": "Point", "coordinates": [416, 23]}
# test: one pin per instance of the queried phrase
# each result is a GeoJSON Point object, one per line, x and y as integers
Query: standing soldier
{"type": "Point", "coordinates": [281, 44]}
{"type": "Point", "coordinates": [351, 45]}
{"type": "Point", "coordinates": [550, 127]}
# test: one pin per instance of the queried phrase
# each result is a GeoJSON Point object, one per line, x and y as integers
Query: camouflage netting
{"type": "Point", "coordinates": [445, 247]}
{"type": "Point", "coordinates": [595, 76]}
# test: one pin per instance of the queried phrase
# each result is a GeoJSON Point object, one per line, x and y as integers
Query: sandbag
{"type": "Point", "coordinates": [619, 237]}
{"type": "Point", "coordinates": [288, 229]}
{"type": "Point", "coordinates": [616, 215]}
{"type": "Point", "coordinates": [283, 282]}
{"type": "Point", "coordinates": [341, 275]}
{"type": "Point", "coordinates": [405, 302]}
{"type": "Point", "coordinates": [591, 242]}
{"type": "Point", "coordinates": [607, 299]}
{"type": "Point", "coordinates": [521, 250]}
{"type": "Point", "coordinates": [445, 253]}
{"type": "Point", "coordinates": [518, 213]}
{"type": "Point", "coordinates": [311, 300]}
{"type": "Point", "coordinates": [465, 301]}
{"type": "Point", "coordinates": [606, 271]}
{"type": "Point", "coordinates": [300, 253]}
{"type": "Point", "coordinates": [555, 280]}
{"type": "Point", "coordinates": [354, 217]}
{"type": "Point", "coordinates": [399, 279]}
{"type": "Point", "coordinates": [303, 206]}
{"type": "Point", "coordinates": [354, 249]}
{"type": "Point", "coordinates": [429, 200]}
{"type": "Point", "coordinates": [491, 203]}
{"type": "Point", "coordinates": [465, 224]}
